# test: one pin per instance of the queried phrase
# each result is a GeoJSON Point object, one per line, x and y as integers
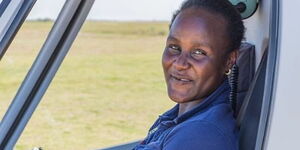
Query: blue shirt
{"type": "Point", "coordinates": [208, 126]}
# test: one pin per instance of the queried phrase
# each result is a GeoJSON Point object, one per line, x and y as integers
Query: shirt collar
{"type": "Point", "coordinates": [220, 95]}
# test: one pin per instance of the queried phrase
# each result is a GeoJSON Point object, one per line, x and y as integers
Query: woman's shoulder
{"type": "Point", "coordinates": [213, 128]}
{"type": "Point", "coordinates": [201, 133]}
{"type": "Point", "coordinates": [218, 115]}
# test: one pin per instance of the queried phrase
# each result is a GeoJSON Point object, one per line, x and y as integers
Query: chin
{"type": "Point", "coordinates": [179, 98]}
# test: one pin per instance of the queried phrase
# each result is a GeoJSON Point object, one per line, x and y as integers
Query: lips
{"type": "Point", "coordinates": [181, 78]}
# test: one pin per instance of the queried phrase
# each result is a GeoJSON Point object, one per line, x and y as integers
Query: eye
{"type": "Point", "coordinates": [174, 49]}
{"type": "Point", "coordinates": [198, 53]}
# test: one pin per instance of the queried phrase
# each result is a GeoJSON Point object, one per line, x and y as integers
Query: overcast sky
{"type": "Point", "coordinates": [119, 10]}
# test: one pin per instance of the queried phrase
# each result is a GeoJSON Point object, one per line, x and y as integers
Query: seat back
{"type": "Point", "coordinates": [249, 116]}
{"type": "Point", "coordinates": [246, 69]}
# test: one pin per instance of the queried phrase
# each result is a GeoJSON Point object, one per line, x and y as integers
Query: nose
{"type": "Point", "coordinates": [181, 63]}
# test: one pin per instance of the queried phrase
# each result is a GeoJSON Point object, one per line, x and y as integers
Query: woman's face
{"type": "Point", "coordinates": [195, 58]}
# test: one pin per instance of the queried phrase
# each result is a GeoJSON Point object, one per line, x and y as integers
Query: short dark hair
{"type": "Point", "coordinates": [235, 26]}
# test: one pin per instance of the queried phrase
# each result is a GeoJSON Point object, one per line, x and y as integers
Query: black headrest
{"type": "Point", "coordinates": [246, 64]}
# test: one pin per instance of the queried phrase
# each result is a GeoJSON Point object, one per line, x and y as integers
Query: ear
{"type": "Point", "coordinates": [231, 59]}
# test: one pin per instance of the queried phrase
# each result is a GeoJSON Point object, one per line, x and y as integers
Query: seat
{"type": "Point", "coordinates": [246, 65]}
{"type": "Point", "coordinates": [249, 115]}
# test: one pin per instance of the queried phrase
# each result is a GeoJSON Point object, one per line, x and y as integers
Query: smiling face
{"type": "Point", "coordinates": [196, 57]}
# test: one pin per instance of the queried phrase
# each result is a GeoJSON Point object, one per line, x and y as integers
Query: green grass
{"type": "Point", "coordinates": [109, 89]}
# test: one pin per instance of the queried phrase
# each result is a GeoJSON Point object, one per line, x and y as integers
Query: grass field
{"type": "Point", "coordinates": [109, 89]}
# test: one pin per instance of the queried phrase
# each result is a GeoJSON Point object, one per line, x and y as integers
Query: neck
{"type": "Point", "coordinates": [185, 107]}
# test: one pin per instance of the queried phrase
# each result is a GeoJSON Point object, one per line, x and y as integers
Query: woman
{"type": "Point", "coordinates": [200, 50]}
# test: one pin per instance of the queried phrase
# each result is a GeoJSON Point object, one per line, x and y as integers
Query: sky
{"type": "Point", "coordinates": [114, 10]}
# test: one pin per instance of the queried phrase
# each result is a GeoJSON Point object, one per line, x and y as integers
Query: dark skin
{"type": "Point", "coordinates": [196, 57]}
